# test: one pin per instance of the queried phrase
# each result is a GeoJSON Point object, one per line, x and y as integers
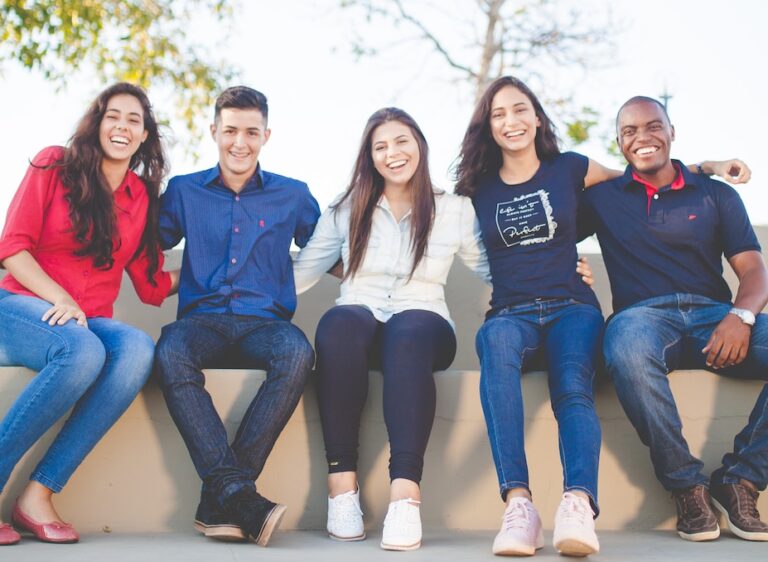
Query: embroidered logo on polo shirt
{"type": "Point", "coordinates": [261, 223]}
{"type": "Point", "coordinates": [526, 219]}
{"type": "Point", "coordinates": [691, 217]}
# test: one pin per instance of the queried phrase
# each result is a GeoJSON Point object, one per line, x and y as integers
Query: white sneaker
{"type": "Point", "coordinates": [575, 527]}
{"type": "Point", "coordinates": [520, 533]}
{"type": "Point", "coordinates": [345, 518]}
{"type": "Point", "coordinates": [402, 526]}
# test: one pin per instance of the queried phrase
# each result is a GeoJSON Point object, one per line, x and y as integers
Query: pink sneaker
{"type": "Point", "coordinates": [520, 533]}
{"type": "Point", "coordinates": [575, 527]}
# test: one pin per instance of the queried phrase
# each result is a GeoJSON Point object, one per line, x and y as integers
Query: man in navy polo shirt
{"type": "Point", "coordinates": [663, 232]}
{"type": "Point", "coordinates": [236, 299]}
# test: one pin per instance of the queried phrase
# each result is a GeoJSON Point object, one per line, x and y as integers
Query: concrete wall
{"type": "Point", "coordinates": [140, 478]}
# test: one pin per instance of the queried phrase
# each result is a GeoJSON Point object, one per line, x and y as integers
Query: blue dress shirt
{"type": "Point", "coordinates": [237, 245]}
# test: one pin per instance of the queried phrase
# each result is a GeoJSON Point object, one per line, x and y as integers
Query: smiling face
{"type": "Point", "coordinates": [240, 134]}
{"type": "Point", "coordinates": [645, 137]}
{"type": "Point", "coordinates": [395, 153]}
{"type": "Point", "coordinates": [513, 120]}
{"type": "Point", "coordinates": [121, 130]}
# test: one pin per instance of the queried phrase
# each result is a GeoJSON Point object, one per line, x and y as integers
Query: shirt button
{"type": "Point", "coordinates": [234, 260]}
{"type": "Point", "coordinates": [656, 196]}
{"type": "Point", "coordinates": [237, 198]}
{"type": "Point", "coordinates": [237, 229]}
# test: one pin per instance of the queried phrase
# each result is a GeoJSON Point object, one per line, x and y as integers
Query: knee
{"type": "Point", "coordinates": [572, 399]}
{"type": "Point", "coordinates": [169, 353]}
{"type": "Point", "coordinates": [82, 354]}
{"type": "Point", "coordinates": [342, 326]}
{"type": "Point", "coordinates": [294, 348]}
{"type": "Point", "coordinates": [498, 340]}
{"type": "Point", "coordinates": [134, 358]}
{"type": "Point", "coordinates": [625, 350]}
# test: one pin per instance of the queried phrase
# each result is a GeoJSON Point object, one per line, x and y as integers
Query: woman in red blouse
{"type": "Point", "coordinates": [82, 215]}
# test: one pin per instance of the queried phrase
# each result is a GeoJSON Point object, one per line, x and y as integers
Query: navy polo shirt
{"type": "Point", "coordinates": [672, 242]}
{"type": "Point", "coordinates": [236, 253]}
{"type": "Point", "coordinates": [529, 231]}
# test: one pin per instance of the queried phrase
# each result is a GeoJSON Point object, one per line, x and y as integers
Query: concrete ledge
{"type": "Point", "coordinates": [140, 479]}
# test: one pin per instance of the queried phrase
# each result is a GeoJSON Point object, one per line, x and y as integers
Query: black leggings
{"type": "Point", "coordinates": [409, 347]}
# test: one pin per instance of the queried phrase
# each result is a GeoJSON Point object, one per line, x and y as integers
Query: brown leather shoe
{"type": "Point", "coordinates": [738, 503]}
{"type": "Point", "coordinates": [695, 519]}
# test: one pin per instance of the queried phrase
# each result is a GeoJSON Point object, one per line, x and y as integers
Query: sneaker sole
{"type": "Point", "coordinates": [226, 533]}
{"type": "Point", "coordinates": [741, 533]}
{"type": "Point", "coordinates": [400, 547]}
{"type": "Point", "coordinates": [346, 539]}
{"type": "Point", "coordinates": [573, 547]}
{"type": "Point", "coordinates": [700, 537]}
{"type": "Point", "coordinates": [516, 551]}
{"type": "Point", "coordinates": [271, 523]}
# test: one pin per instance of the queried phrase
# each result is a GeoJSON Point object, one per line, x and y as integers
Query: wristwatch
{"type": "Point", "coordinates": [744, 315]}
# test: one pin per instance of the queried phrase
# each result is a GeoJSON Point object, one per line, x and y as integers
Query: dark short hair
{"type": "Point", "coordinates": [241, 97]}
{"type": "Point", "coordinates": [642, 99]}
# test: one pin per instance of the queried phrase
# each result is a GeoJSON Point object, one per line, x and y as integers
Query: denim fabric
{"type": "Point", "coordinates": [566, 336]}
{"type": "Point", "coordinates": [646, 341]}
{"type": "Point", "coordinates": [408, 348]}
{"type": "Point", "coordinates": [217, 340]}
{"type": "Point", "coordinates": [98, 370]}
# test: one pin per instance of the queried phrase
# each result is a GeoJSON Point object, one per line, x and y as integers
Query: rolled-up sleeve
{"type": "Point", "coordinates": [147, 292]}
{"type": "Point", "coordinates": [24, 221]}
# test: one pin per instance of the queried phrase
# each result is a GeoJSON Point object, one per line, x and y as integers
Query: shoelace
{"type": "Point", "coordinates": [574, 509]}
{"type": "Point", "coordinates": [748, 500]}
{"type": "Point", "coordinates": [516, 516]}
{"type": "Point", "coordinates": [693, 503]}
{"type": "Point", "coordinates": [346, 512]}
{"type": "Point", "coordinates": [398, 514]}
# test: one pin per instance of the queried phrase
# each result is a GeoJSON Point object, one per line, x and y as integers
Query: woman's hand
{"type": "Point", "coordinates": [583, 269]}
{"type": "Point", "coordinates": [733, 171]}
{"type": "Point", "coordinates": [63, 311]}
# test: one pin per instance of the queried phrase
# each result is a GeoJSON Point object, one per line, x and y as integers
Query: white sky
{"type": "Point", "coordinates": [708, 54]}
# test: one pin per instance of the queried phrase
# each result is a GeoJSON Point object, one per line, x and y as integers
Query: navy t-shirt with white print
{"type": "Point", "coordinates": [530, 233]}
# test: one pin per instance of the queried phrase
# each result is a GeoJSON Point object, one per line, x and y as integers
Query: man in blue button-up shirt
{"type": "Point", "coordinates": [236, 299]}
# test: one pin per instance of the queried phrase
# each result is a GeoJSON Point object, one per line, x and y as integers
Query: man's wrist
{"type": "Point", "coordinates": [746, 316]}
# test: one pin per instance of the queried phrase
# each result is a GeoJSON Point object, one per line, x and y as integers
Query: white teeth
{"type": "Point", "coordinates": [514, 134]}
{"type": "Point", "coordinates": [646, 150]}
{"type": "Point", "coordinates": [396, 164]}
{"type": "Point", "coordinates": [120, 140]}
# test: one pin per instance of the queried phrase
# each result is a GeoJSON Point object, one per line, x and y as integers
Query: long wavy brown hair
{"type": "Point", "coordinates": [91, 202]}
{"type": "Point", "coordinates": [367, 186]}
{"type": "Point", "coordinates": [480, 156]}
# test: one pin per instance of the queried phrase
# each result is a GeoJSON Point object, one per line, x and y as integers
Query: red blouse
{"type": "Point", "coordinates": [38, 221]}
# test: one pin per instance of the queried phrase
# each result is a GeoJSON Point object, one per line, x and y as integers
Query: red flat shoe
{"type": "Point", "coordinates": [56, 531]}
{"type": "Point", "coordinates": [8, 535]}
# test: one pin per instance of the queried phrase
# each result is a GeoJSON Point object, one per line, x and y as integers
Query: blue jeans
{"type": "Point", "coordinates": [95, 371]}
{"type": "Point", "coordinates": [197, 341]}
{"type": "Point", "coordinates": [646, 341]}
{"type": "Point", "coordinates": [566, 335]}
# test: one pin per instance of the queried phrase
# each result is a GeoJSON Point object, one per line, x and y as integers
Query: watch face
{"type": "Point", "coordinates": [745, 316]}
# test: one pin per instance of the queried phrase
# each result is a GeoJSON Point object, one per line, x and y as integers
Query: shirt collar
{"type": "Point", "coordinates": [682, 179]}
{"type": "Point", "coordinates": [213, 176]}
{"type": "Point", "coordinates": [131, 185]}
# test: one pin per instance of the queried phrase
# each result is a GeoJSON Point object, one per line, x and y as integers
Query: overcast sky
{"type": "Point", "coordinates": [707, 54]}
